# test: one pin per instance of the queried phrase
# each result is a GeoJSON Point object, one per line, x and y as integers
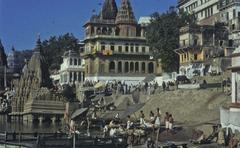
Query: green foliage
{"type": "Point", "coordinates": [54, 48]}
{"type": "Point", "coordinates": [163, 36]}
{"type": "Point", "coordinates": [3, 56]}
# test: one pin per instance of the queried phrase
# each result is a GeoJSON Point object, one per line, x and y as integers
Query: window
{"type": "Point", "coordinates": [234, 13]}
{"type": "Point", "coordinates": [195, 42]}
{"type": "Point", "coordinates": [126, 48]}
{"type": "Point", "coordinates": [132, 48]}
{"type": "Point", "coordinates": [112, 47]}
{"type": "Point", "coordinates": [102, 47]}
{"type": "Point", "coordinates": [137, 48]}
{"type": "Point", "coordinates": [75, 61]}
{"type": "Point", "coordinates": [79, 62]}
{"type": "Point", "coordinates": [71, 62]}
{"type": "Point", "coordinates": [184, 43]}
{"type": "Point", "coordinates": [119, 48]}
{"type": "Point", "coordinates": [230, 43]}
{"type": "Point", "coordinates": [143, 49]}
{"type": "Point", "coordinates": [195, 56]}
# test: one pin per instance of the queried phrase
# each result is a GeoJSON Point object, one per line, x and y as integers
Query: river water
{"type": "Point", "coordinates": [27, 127]}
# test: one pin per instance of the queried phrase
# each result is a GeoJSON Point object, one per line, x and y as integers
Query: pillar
{"type": "Point", "coordinates": [116, 66]}
{"type": "Point", "coordinates": [140, 67]}
{"type": "Point", "coordinates": [68, 77]}
{"type": "Point", "coordinates": [123, 67]}
{"type": "Point", "coordinates": [146, 67]}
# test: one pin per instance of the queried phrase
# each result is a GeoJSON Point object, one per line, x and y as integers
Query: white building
{"type": "Point", "coordinates": [206, 11]}
{"type": "Point", "coordinates": [230, 116]}
{"type": "Point", "coordinates": [72, 68]}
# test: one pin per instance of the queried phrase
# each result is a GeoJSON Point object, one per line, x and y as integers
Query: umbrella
{"type": "Point", "coordinates": [79, 112]}
{"type": "Point", "coordinates": [99, 85]}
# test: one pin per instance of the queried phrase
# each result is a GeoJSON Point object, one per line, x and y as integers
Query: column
{"type": "Point", "coordinates": [134, 66]}
{"type": "Point", "coordinates": [123, 67]}
{"type": "Point", "coordinates": [146, 67]}
{"type": "Point", "coordinates": [82, 76]}
{"type": "Point", "coordinates": [154, 67]}
{"type": "Point", "coordinates": [140, 67]}
{"type": "Point", "coordinates": [68, 77]}
{"type": "Point", "coordinates": [116, 67]}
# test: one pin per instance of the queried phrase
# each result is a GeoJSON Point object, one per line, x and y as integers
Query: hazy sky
{"type": "Point", "coordinates": [22, 20]}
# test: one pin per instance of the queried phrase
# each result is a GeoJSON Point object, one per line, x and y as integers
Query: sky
{"type": "Point", "coordinates": [22, 20]}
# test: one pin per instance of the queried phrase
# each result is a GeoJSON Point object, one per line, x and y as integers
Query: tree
{"type": "Point", "coordinates": [54, 48]}
{"type": "Point", "coordinates": [163, 36]}
{"type": "Point", "coordinates": [3, 56]}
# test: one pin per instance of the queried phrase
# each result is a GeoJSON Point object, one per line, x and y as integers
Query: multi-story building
{"type": "Point", "coordinates": [230, 14]}
{"type": "Point", "coordinates": [198, 44]}
{"type": "Point", "coordinates": [206, 11]}
{"type": "Point", "coordinates": [115, 46]}
{"type": "Point", "coordinates": [17, 59]}
{"type": "Point", "coordinates": [72, 68]}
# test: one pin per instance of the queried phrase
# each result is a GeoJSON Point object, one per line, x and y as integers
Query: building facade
{"type": "Point", "coordinates": [230, 14]}
{"type": "Point", "coordinates": [72, 68]}
{"type": "Point", "coordinates": [17, 59]}
{"type": "Point", "coordinates": [198, 45]}
{"type": "Point", "coordinates": [206, 11]}
{"type": "Point", "coordinates": [115, 46]}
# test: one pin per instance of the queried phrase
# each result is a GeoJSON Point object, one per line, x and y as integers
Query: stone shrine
{"type": "Point", "coordinates": [34, 99]}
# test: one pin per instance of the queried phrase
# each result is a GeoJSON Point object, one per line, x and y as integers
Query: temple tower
{"type": "Point", "coordinates": [125, 20]}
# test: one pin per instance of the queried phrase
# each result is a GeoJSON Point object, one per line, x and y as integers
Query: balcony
{"type": "Point", "coordinates": [114, 37]}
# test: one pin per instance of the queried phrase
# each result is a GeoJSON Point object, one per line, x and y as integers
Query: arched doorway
{"type": "Point", "coordinates": [150, 67]}
{"type": "Point", "coordinates": [112, 67]}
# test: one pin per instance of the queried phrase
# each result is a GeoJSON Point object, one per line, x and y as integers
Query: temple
{"type": "Point", "coordinates": [115, 46]}
{"type": "Point", "coordinates": [34, 99]}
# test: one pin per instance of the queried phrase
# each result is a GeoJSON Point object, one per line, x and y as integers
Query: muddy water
{"type": "Point", "coordinates": [11, 126]}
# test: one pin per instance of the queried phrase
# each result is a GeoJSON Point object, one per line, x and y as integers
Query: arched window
{"type": "Point", "coordinates": [136, 67]}
{"type": "Point", "coordinates": [150, 67]}
{"type": "Point", "coordinates": [126, 67]}
{"type": "Point", "coordinates": [120, 67]}
{"type": "Point", "coordinates": [126, 47]}
{"type": "Point", "coordinates": [131, 67]}
{"type": "Point", "coordinates": [75, 62]}
{"type": "Point", "coordinates": [117, 31]}
{"type": "Point", "coordinates": [99, 31]}
{"type": "Point", "coordinates": [143, 67]}
{"type": "Point", "coordinates": [109, 31]}
{"type": "Point", "coordinates": [71, 61]}
{"type": "Point", "coordinates": [104, 31]}
{"type": "Point", "coordinates": [112, 67]}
